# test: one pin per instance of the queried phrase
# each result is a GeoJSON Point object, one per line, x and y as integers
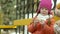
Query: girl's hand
{"type": "Point", "coordinates": [35, 21]}
{"type": "Point", "coordinates": [42, 21]}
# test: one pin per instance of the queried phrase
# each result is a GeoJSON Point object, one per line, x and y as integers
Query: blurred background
{"type": "Point", "coordinates": [11, 10]}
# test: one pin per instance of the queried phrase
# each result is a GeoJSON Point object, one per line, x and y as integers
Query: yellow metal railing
{"type": "Point", "coordinates": [22, 22]}
{"type": "Point", "coordinates": [7, 26]}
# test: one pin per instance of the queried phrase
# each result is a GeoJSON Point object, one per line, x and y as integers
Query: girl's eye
{"type": "Point", "coordinates": [45, 9]}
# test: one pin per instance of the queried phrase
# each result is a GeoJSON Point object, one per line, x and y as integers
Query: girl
{"type": "Point", "coordinates": [43, 22]}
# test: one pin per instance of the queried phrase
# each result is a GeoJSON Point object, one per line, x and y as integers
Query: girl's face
{"type": "Point", "coordinates": [57, 12]}
{"type": "Point", "coordinates": [44, 11]}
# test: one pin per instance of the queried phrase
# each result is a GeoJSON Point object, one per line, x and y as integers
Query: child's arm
{"type": "Point", "coordinates": [52, 21]}
{"type": "Point", "coordinates": [51, 25]}
{"type": "Point", "coordinates": [31, 28]}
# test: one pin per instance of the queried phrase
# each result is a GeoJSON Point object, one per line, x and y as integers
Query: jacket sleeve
{"type": "Point", "coordinates": [31, 28]}
{"type": "Point", "coordinates": [52, 22]}
{"type": "Point", "coordinates": [49, 29]}
{"type": "Point", "coordinates": [51, 25]}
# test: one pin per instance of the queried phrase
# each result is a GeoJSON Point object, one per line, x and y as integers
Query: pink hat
{"type": "Point", "coordinates": [45, 3]}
